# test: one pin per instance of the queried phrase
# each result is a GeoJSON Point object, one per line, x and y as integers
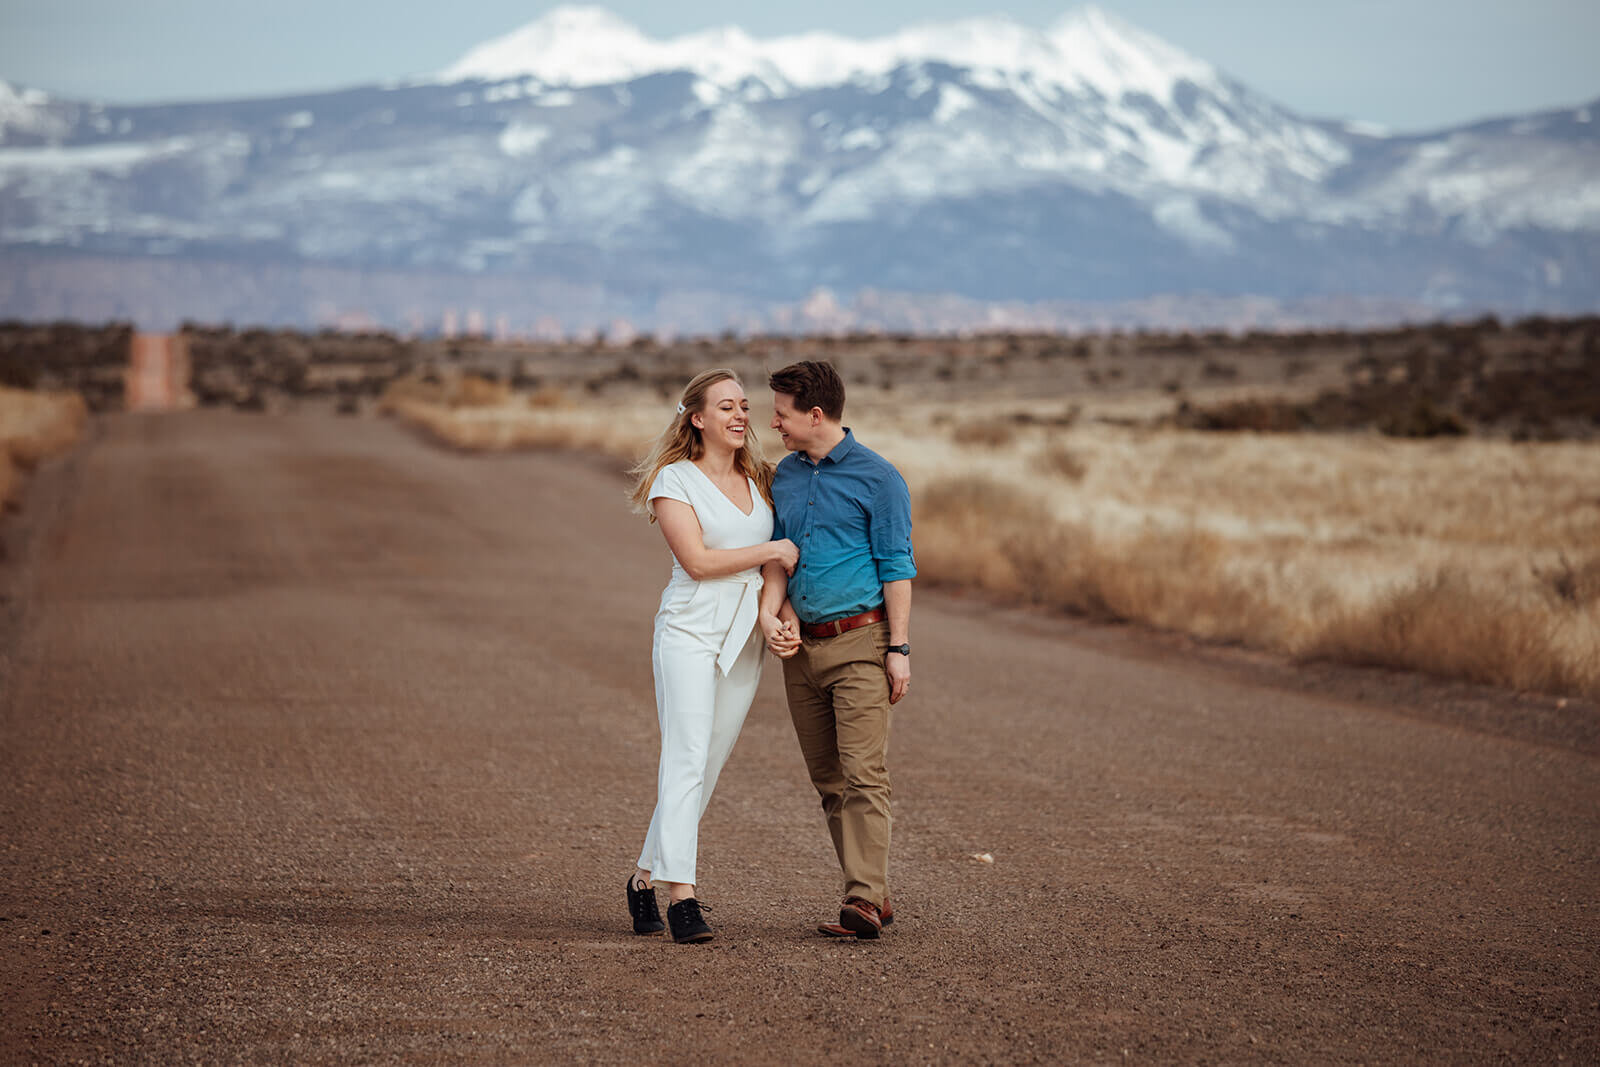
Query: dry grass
{"type": "Point", "coordinates": [986, 433]}
{"type": "Point", "coordinates": [1449, 623]}
{"type": "Point", "coordinates": [33, 427]}
{"type": "Point", "coordinates": [468, 414]}
{"type": "Point", "coordinates": [1061, 461]}
{"type": "Point", "coordinates": [1466, 558]}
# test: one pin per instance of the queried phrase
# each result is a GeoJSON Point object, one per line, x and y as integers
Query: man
{"type": "Point", "coordinates": [849, 512]}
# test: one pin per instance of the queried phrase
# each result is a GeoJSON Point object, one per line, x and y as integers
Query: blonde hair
{"type": "Point", "coordinates": [682, 440]}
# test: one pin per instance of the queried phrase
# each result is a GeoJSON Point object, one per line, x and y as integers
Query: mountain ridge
{"type": "Point", "coordinates": [1120, 172]}
{"type": "Point", "coordinates": [583, 45]}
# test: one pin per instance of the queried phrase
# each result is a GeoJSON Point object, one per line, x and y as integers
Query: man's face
{"type": "Point", "coordinates": [794, 426]}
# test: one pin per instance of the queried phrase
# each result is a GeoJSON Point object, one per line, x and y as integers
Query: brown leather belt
{"type": "Point", "coordinates": [839, 626]}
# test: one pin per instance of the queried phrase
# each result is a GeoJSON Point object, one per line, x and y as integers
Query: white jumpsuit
{"type": "Point", "coordinates": [707, 660]}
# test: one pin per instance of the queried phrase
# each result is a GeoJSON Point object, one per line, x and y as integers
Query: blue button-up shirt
{"type": "Point", "coordinates": [850, 515]}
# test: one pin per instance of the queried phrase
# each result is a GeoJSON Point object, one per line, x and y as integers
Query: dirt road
{"type": "Point", "coordinates": [323, 745]}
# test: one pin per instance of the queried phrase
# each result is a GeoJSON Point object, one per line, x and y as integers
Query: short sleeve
{"type": "Point", "coordinates": [668, 484]}
{"type": "Point", "coordinates": [890, 533]}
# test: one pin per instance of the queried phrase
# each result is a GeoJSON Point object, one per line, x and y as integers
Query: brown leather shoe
{"type": "Point", "coordinates": [885, 916]}
{"type": "Point", "coordinates": [861, 917]}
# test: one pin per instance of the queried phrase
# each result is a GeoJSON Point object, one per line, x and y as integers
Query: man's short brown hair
{"type": "Point", "coordinates": [814, 384]}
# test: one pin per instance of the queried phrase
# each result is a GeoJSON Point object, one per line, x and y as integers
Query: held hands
{"type": "Point", "coordinates": [785, 555]}
{"type": "Point", "coordinates": [783, 636]}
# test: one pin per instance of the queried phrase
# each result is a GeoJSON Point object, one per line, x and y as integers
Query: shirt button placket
{"type": "Point", "coordinates": [811, 502]}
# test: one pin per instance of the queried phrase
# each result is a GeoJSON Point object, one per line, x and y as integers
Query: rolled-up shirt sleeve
{"type": "Point", "coordinates": [891, 531]}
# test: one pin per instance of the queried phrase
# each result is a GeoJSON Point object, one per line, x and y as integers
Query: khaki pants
{"type": "Point", "coordinates": [839, 701]}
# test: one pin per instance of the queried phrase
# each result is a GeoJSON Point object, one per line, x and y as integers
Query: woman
{"type": "Point", "coordinates": [707, 486]}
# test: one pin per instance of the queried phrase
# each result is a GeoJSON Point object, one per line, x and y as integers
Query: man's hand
{"type": "Point", "coordinates": [783, 638]}
{"type": "Point", "coordinates": [898, 668]}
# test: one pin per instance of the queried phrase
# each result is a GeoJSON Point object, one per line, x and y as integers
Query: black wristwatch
{"type": "Point", "coordinates": [904, 650]}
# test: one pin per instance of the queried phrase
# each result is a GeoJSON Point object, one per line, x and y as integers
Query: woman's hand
{"type": "Point", "coordinates": [783, 638]}
{"type": "Point", "coordinates": [785, 555]}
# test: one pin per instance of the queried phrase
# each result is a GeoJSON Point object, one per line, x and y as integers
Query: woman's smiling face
{"type": "Point", "coordinates": [725, 419]}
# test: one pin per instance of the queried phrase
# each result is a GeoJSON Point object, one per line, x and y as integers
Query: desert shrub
{"type": "Point", "coordinates": [1422, 419]}
{"type": "Point", "coordinates": [35, 426]}
{"type": "Point", "coordinates": [419, 387]}
{"type": "Point", "coordinates": [985, 433]}
{"type": "Point", "coordinates": [1259, 416]}
{"type": "Point", "coordinates": [17, 372]}
{"type": "Point", "coordinates": [476, 391]}
{"type": "Point", "coordinates": [549, 396]}
{"type": "Point", "coordinates": [87, 360]}
{"type": "Point", "coordinates": [1575, 584]}
{"type": "Point", "coordinates": [1062, 461]}
{"type": "Point", "coordinates": [1538, 327]}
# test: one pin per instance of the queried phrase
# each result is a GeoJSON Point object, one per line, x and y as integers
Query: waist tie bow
{"type": "Point", "coordinates": [744, 620]}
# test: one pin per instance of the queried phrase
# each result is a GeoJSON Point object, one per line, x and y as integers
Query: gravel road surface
{"type": "Point", "coordinates": [323, 745]}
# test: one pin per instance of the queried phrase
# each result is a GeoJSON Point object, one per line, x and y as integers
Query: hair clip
{"type": "Point", "coordinates": [681, 408]}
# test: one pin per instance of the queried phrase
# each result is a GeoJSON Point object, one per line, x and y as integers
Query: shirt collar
{"type": "Point", "coordinates": [842, 449]}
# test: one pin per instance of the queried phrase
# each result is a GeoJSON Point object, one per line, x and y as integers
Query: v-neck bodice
{"type": "Point", "coordinates": [750, 485]}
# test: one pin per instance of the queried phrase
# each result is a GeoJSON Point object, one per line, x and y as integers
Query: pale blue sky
{"type": "Point", "coordinates": [1409, 64]}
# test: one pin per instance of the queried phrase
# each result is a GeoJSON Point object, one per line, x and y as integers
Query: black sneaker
{"type": "Point", "coordinates": [642, 906]}
{"type": "Point", "coordinates": [688, 925]}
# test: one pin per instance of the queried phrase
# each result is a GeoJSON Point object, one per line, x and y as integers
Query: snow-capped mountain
{"type": "Point", "coordinates": [1091, 99]}
{"type": "Point", "coordinates": [981, 158]}
{"type": "Point", "coordinates": [1086, 51]}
